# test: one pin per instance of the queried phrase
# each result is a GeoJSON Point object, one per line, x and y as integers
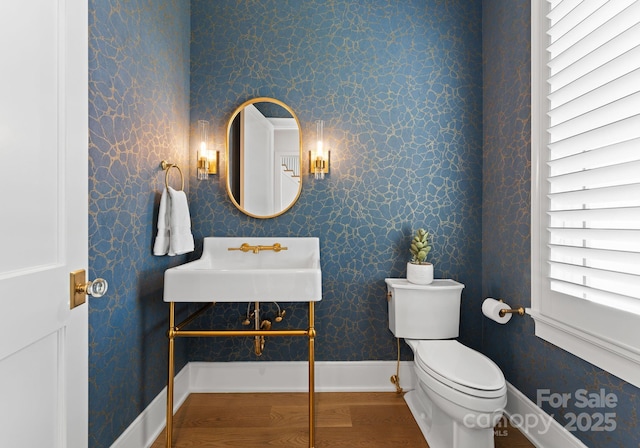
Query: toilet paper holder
{"type": "Point", "coordinates": [503, 312]}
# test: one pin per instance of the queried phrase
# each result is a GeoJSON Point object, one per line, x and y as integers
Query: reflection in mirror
{"type": "Point", "coordinates": [263, 158]}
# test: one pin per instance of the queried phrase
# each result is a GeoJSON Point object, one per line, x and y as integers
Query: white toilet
{"type": "Point", "coordinates": [460, 393]}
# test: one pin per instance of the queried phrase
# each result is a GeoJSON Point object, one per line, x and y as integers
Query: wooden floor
{"type": "Point", "coordinates": [351, 420]}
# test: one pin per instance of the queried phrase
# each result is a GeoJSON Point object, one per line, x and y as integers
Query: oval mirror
{"type": "Point", "coordinates": [263, 158]}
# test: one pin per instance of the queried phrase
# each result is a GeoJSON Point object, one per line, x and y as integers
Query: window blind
{"type": "Point", "coordinates": [594, 151]}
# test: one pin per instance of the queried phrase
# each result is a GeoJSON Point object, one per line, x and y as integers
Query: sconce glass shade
{"type": "Point", "coordinates": [319, 160]}
{"type": "Point", "coordinates": [203, 149]}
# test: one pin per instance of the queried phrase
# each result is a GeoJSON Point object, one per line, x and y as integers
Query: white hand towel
{"type": "Point", "coordinates": [161, 245]}
{"type": "Point", "coordinates": [180, 237]}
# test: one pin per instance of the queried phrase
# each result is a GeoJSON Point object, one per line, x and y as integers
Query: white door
{"type": "Point", "coordinates": [43, 222]}
{"type": "Point", "coordinates": [257, 160]}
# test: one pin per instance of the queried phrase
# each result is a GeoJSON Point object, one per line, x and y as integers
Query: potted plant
{"type": "Point", "coordinates": [420, 271]}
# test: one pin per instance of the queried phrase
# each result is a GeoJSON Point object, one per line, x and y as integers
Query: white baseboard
{"type": "Point", "coordinates": [540, 428]}
{"type": "Point", "coordinates": [330, 376]}
{"type": "Point", "coordinates": [146, 428]}
{"type": "Point", "coordinates": [211, 377]}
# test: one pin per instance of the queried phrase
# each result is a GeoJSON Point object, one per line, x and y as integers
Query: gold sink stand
{"type": "Point", "coordinates": [177, 331]}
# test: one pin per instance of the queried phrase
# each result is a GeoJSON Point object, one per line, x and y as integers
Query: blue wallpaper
{"type": "Point", "coordinates": [529, 363]}
{"type": "Point", "coordinates": [399, 86]}
{"type": "Point", "coordinates": [418, 139]}
{"type": "Point", "coordinates": [138, 115]}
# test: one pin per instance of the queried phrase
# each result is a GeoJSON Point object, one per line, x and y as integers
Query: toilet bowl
{"type": "Point", "coordinates": [460, 393]}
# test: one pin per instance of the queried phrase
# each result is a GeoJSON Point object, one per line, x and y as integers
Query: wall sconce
{"type": "Point", "coordinates": [207, 158]}
{"type": "Point", "coordinates": [318, 161]}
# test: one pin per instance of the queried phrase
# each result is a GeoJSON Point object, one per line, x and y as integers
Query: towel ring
{"type": "Point", "coordinates": [166, 166]}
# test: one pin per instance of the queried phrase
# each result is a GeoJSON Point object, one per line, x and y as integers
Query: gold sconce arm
{"type": "Point", "coordinates": [319, 164]}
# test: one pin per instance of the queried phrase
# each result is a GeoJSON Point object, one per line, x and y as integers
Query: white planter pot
{"type": "Point", "coordinates": [420, 274]}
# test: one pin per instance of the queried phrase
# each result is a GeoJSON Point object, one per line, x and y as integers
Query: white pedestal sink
{"type": "Point", "coordinates": [246, 270]}
{"type": "Point", "coordinates": [290, 273]}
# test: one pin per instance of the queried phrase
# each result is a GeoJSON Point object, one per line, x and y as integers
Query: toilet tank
{"type": "Point", "coordinates": [424, 311]}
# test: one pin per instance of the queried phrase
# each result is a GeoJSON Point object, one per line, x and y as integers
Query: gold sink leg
{"type": "Point", "coordinates": [312, 337]}
{"type": "Point", "coordinates": [172, 333]}
{"type": "Point", "coordinates": [171, 336]}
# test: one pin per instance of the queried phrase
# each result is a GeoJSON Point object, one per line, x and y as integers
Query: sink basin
{"type": "Point", "coordinates": [256, 272]}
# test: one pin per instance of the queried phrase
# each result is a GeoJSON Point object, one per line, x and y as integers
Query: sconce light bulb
{"type": "Point", "coordinates": [320, 137]}
{"type": "Point", "coordinates": [319, 162]}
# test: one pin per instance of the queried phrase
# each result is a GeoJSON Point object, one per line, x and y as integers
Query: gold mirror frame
{"type": "Point", "coordinates": [228, 157]}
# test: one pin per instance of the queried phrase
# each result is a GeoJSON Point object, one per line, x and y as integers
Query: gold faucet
{"type": "Point", "coordinates": [245, 247]}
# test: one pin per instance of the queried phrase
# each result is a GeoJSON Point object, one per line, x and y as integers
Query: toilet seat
{"type": "Point", "coordinates": [459, 367]}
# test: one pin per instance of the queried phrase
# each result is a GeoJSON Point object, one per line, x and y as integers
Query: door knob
{"type": "Point", "coordinates": [80, 288]}
{"type": "Point", "coordinates": [96, 288]}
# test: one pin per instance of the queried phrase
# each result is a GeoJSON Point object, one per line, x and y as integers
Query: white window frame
{"type": "Point", "coordinates": [606, 337]}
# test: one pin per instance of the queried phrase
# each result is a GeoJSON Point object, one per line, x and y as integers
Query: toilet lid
{"type": "Point", "coordinates": [460, 367]}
